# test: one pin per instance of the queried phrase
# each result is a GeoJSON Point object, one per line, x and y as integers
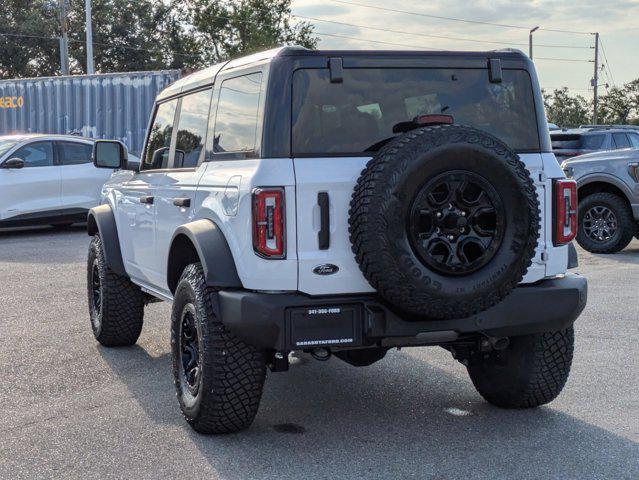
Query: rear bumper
{"type": "Point", "coordinates": [295, 321]}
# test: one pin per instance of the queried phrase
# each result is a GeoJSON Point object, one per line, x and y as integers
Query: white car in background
{"type": "Point", "coordinates": [47, 179]}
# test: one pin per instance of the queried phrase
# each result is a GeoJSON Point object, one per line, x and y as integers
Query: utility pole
{"type": "Point", "coordinates": [530, 50]}
{"type": "Point", "coordinates": [595, 81]}
{"type": "Point", "coordinates": [89, 27]}
{"type": "Point", "coordinates": [64, 38]}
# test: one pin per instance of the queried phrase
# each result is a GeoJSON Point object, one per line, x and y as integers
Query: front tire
{"type": "Point", "coordinates": [606, 224]}
{"type": "Point", "coordinates": [218, 377]}
{"type": "Point", "coordinates": [530, 372]}
{"type": "Point", "coordinates": [116, 305]}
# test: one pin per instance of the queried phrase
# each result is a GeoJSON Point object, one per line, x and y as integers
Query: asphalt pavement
{"type": "Point", "coordinates": [70, 408]}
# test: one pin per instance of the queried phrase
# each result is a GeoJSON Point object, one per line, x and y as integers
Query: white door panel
{"type": "Point", "coordinates": [29, 190]}
{"type": "Point", "coordinates": [82, 184]}
{"type": "Point", "coordinates": [174, 186]}
{"type": "Point", "coordinates": [337, 177]}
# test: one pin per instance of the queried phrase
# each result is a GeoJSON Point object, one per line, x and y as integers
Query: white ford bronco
{"type": "Point", "coordinates": [346, 203]}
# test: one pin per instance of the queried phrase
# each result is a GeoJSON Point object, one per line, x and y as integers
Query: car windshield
{"type": "Point", "coordinates": [5, 146]}
{"type": "Point", "coordinates": [357, 115]}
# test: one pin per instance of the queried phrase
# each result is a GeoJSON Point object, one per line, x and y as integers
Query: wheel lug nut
{"type": "Point", "coordinates": [463, 214]}
{"type": "Point", "coordinates": [439, 214]}
{"type": "Point", "coordinates": [450, 237]}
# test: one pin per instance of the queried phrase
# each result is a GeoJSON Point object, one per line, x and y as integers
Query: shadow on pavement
{"type": "Point", "coordinates": [35, 245]}
{"type": "Point", "coordinates": [399, 418]}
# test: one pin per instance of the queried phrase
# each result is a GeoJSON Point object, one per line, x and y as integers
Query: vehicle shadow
{"type": "Point", "coordinates": [400, 418]}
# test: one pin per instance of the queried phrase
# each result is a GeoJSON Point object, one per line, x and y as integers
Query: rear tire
{"type": "Point", "coordinates": [624, 223]}
{"type": "Point", "coordinates": [116, 305]}
{"type": "Point", "coordinates": [218, 377]}
{"type": "Point", "coordinates": [530, 372]}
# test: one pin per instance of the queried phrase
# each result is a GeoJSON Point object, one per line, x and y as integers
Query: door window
{"type": "Point", "coordinates": [192, 125]}
{"type": "Point", "coordinates": [621, 140]}
{"type": "Point", "coordinates": [39, 154]}
{"type": "Point", "coordinates": [236, 122]}
{"type": "Point", "coordinates": [157, 148]}
{"type": "Point", "coordinates": [72, 153]}
{"type": "Point", "coordinates": [634, 139]}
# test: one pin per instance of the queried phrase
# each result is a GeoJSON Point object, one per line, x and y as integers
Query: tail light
{"type": "Point", "coordinates": [269, 235]}
{"type": "Point", "coordinates": [565, 193]}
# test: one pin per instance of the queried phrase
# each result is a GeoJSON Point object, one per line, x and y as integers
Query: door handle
{"type": "Point", "coordinates": [182, 202]}
{"type": "Point", "coordinates": [147, 199]}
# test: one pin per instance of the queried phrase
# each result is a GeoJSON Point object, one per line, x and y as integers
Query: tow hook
{"type": "Point", "coordinates": [494, 343]}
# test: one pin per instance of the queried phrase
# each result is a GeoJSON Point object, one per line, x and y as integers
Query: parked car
{"type": "Point", "coordinates": [342, 202]}
{"type": "Point", "coordinates": [608, 190]}
{"type": "Point", "coordinates": [47, 179]}
{"type": "Point", "coordinates": [592, 138]}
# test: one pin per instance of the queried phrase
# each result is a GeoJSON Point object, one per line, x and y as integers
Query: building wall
{"type": "Point", "coordinates": [111, 106]}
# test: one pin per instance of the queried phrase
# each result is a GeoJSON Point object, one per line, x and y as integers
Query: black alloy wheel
{"type": "Point", "coordinates": [189, 361]}
{"type": "Point", "coordinates": [456, 223]}
{"type": "Point", "coordinates": [96, 294]}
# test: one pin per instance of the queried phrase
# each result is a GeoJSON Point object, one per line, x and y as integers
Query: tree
{"type": "Point", "coordinates": [129, 36]}
{"type": "Point", "coordinates": [27, 48]}
{"type": "Point", "coordinates": [615, 107]}
{"type": "Point", "coordinates": [226, 30]}
{"type": "Point", "coordinates": [565, 110]}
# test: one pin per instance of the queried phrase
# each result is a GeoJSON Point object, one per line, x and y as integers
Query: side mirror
{"type": "Point", "coordinates": [14, 163]}
{"type": "Point", "coordinates": [109, 154]}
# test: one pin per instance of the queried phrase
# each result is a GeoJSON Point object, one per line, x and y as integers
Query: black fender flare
{"type": "Point", "coordinates": [100, 220]}
{"type": "Point", "coordinates": [213, 252]}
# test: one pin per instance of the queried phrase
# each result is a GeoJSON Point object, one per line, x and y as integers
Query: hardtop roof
{"type": "Point", "coordinates": [206, 76]}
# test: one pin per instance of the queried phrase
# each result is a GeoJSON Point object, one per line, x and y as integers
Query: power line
{"type": "Point", "coordinates": [563, 59]}
{"type": "Point", "coordinates": [453, 19]}
{"type": "Point", "coordinates": [112, 45]}
{"type": "Point", "coordinates": [371, 41]}
{"type": "Point", "coordinates": [429, 35]}
{"type": "Point", "coordinates": [603, 50]}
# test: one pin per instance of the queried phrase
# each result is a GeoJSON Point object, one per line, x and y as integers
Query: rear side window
{"type": "Point", "coordinates": [192, 125]}
{"type": "Point", "coordinates": [566, 141]}
{"type": "Point", "coordinates": [593, 142]}
{"type": "Point", "coordinates": [236, 121]}
{"type": "Point", "coordinates": [157, 149]}
{"type": "Point", "coordinates": [39, 154]}
{"type": "Point", "coordinates": [71, 153]}
{"type": "Point", "coordinates": [621, 140]}
{"type": "Point", "coordinates": [634, 139]}
{"type": "Point", "coordinates": [358, 115]}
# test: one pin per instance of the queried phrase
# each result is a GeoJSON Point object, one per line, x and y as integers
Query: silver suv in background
{"type": "Point", "coordinates": [608, 192]}
{"type": "Point", "coordinates": [593, 138]}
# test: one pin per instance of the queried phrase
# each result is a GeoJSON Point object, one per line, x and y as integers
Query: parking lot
{"type": "Point", "coordinates": [73, 409]}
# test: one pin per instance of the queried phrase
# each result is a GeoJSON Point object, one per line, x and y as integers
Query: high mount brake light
{"type": "Point", "coordinates": [269, 235]}
{"type": "Point", "coordinates": [434, 119]}
{"type": "Point", "coordinates": [565, 218]}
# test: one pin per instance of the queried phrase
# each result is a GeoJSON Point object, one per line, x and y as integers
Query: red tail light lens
{"type": "Point", "coordinates": [565, 193]}
{"type": "Point", "coordinates": [269, 235]}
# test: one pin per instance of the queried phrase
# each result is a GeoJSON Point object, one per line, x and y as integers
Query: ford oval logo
{"type": "Point", "coordinates": [326, 269]}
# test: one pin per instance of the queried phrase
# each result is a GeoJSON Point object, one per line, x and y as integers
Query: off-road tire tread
{"type": "Point", "coordinates": [122, 302]}
{"type": "Point", "coordinates": [545, 376]}
{"type": "Point", "coordinates": [375, 186]}
{"type": "Point", "coordinates": [234, 371]}
{"type": "Point", "coordinates": [627, 224]}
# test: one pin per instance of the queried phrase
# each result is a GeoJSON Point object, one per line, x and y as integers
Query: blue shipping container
{"type": "Point", "coordinates": [111, 106]}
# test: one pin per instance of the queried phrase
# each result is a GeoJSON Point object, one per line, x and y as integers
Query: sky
{"type": "Point", "coordinates": [617, 21]}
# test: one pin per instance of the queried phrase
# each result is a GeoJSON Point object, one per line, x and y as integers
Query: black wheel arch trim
{"type": "Point", "coordinates": [213, 251]}
{"type": "Point", "coordinates": [606, 178]}
{"type": "Point", "coordinates": [100, 220]}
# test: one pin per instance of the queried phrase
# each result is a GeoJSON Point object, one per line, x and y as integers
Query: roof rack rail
{"type": "Point", "coordinates": [609, 127]}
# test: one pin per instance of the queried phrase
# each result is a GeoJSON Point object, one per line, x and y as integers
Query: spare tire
{"type": "Point", "coordinates": [444, 221]}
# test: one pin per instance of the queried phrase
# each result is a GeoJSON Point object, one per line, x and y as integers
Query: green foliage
{"type": "Point", "coordinates": [25, 56]}
{"type": "Point", "coordinates": [135, 35]}
{"type": "Point", "coordinates": [565, 110]}
{"type": "Point", "coordinates": [226, 30]}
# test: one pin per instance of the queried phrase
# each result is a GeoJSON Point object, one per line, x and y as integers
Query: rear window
{"type": "Point", "coordinates": [357, 116]}
{"type": "Point", "coordinates": [575, 141]}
